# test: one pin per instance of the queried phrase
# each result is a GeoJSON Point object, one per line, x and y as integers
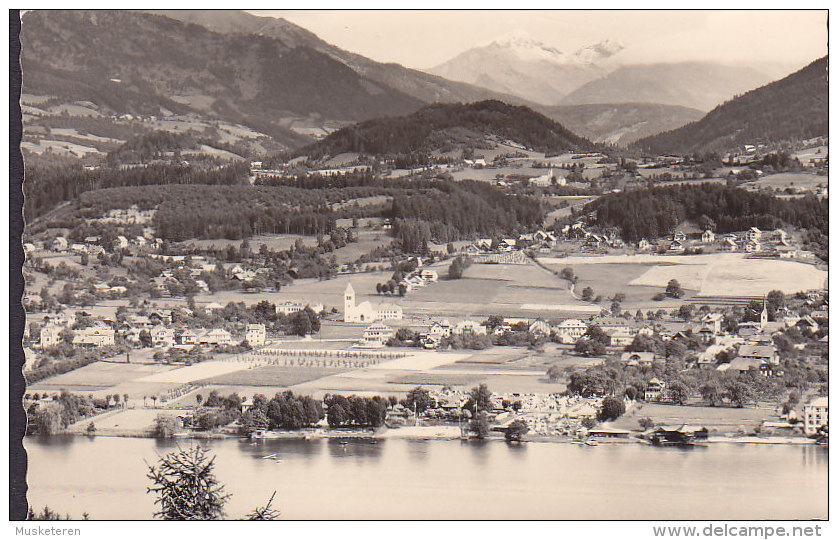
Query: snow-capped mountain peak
{"type": "Point", "coordinates": [528, 48]}
{"type": "Point", "coordinates": [598, 51]}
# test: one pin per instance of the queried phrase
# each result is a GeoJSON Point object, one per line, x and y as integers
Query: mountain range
{"type": "Point", "coordinates": [793, 108]}
{"type": "Point", "coordinates": [596, 74]}
{"type": "Point", "coordinates": [522, 65]}
{"type": "Point", "coordinates": [274, 76]}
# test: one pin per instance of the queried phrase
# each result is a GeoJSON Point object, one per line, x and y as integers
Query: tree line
{"type": "Point", "coordinates": [655, 212]}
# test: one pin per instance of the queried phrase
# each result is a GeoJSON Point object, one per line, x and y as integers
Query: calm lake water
{"type": "Point", "coordinates": [324, 479]}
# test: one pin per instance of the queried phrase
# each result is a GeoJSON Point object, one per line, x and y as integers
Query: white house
{"type": "Point", "coordinates": [654, 390]}
{"type": "Point", "coordinates": [288, 308]}
{"type": "Point", "coordinates": [570, 330]}
{"type": "Point", "coordinates": [162, 336]}
{"type": "Point", "coordinates": [815, 415]}
{"type": "Point", "coordinates": [377, 335]}
{"type": "Point", "coordinates": [255, 335]}
{"type": "Point", "coordinates": [51, 335]}
{"type": "Point", "coordinates": [753, 235]}
{"type": "Point", "coordinates": [708, 237]}
{"type": "Point", "coordinates": [440, 329]}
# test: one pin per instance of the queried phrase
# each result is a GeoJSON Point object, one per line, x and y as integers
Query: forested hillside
{"type": "Point", "coordinates": [441, 210]}
{"type": "Point", "coordinates": [46, 187]}
{"type": "Point", "coordinates": [793, 108]}
{"type": "Point", "coordinates": [432, 128]}
{"type": "Point", "coordinates": [653, 213]}
{"type": "Point", "coordinates": [140, 63]}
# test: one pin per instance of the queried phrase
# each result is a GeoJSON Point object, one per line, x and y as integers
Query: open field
{"type": "Point", "coordinates": [132, 420]}
{"type": "Point", "coordinates": [808, 153]}
{"type": "Point", "coordinates": [102, 374]}
{"type": "Point", "coordinates": [781, 181]}
{"type": "Point", "coordinates": [197, 372]}
{"type": "Point", "coordinates": [508, 290]}
{"type": "Point", "coordinates": [276, 376]}
{"type": "Point", "coordinates": [719, 274]}
{"type": "Point", "coordinates": [368, 240]}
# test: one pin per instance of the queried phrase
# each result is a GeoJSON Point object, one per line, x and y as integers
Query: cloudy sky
{"type": "Point", "coordinates": [422, 39]}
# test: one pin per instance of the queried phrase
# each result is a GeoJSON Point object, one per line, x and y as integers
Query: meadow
{"type": "Point", "coordinates": [804, 181]}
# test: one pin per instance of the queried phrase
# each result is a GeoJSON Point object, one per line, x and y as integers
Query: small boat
{"type": "Point", "coordinates": [591, 443]}
{"type": "Point", "coordinates": [272, 456]}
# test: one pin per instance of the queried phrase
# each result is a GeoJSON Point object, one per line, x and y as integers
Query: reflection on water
{"type": "Point", "coordinates": [364, 479]}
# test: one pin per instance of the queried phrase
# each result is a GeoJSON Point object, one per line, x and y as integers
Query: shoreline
{"type": "Point", "coordinates": [428, 433]}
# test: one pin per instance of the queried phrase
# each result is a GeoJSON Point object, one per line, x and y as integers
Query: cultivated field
{"type": "Point", "coordinates": [99, 375]}
{"type": "Point", "coordinates": [275, 376]}
{"type": "Point", "coordinates": [719, 274]}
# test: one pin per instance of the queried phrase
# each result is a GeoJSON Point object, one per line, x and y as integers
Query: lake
{"type": "Point", "coordinates": [444, 479]}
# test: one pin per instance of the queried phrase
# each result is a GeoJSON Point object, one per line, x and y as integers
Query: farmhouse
{"type": "Point", "coordinates": [654, 390]}
{"type": "Point", "coordinates": [98, 335]}
{"type": "Point", "coordinates": [729, 243]}
{"type": "Point", "coordinates": [469, 328]}
{"type": "Point", "coordinates": [633, 359]}
{"type": "Point", "coordinates": [540, 327]}
{"type": "Point", "coordinates": [59, 244]}
{"type": "Point", "coordinates": [761, 353]}
{"type": "Point", "coordinates": [366, 311]}
{"type": "Point", "coordinates": [440, 329]}
{"type": "Point", "coordinates": [217, 336]}
{"type": "Point", "coordinates": [753, 235]}
{"type": "Point", "coordinates": [675, 247]}
{"type": "Point", "coordinates": [162, 336]}
{"type": "Point", "coordinates": [187, 337]}
{"type": "Point", "coordinates": [621, 337]}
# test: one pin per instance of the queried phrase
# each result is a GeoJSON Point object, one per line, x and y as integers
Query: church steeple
{"type": "Point", "coordinates": [763, 317]}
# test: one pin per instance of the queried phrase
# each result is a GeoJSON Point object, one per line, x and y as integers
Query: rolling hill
{"type": "Point", "coordinates": [620, 123]}
{"type": "Point", "coordinates": [447, 126]}
{"type": "Point", "coordinates": [792, 108]}
{"type": "Point", "coordinates": [698, 85]}
{"type": "Point", "coordinates": [423, 86]}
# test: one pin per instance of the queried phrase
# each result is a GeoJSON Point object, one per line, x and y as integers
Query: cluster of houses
{"type": "Point", "coordinates": [419, 277]}
{"type": "Point", "coordinates": [751, 241]}
{"type": "Point", "coordinates": [540, 241]}
{"type": "Point", "coordinates": [92, 244]}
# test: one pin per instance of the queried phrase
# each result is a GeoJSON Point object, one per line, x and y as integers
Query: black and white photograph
{"type": "Point", "coordinates": [422, 264]}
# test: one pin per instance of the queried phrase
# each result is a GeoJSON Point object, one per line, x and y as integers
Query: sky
{"type": "Point", "coordinates": [423, 39]}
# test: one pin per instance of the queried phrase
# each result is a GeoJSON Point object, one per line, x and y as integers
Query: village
{"type": "Point", "coordinates": [183, 341]}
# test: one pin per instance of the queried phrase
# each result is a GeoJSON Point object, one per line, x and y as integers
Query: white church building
{"type": "Point", "coordinates": [366, 311]}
